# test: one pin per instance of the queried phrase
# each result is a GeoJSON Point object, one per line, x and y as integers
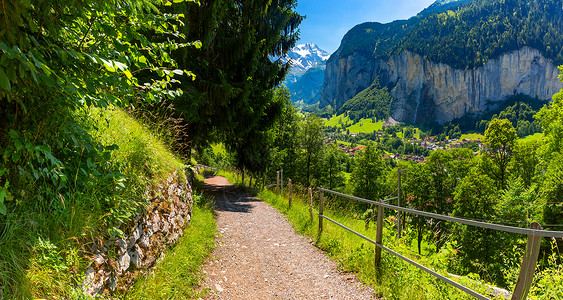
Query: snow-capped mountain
{"type": "Point", "coordinates": [303, 57]}
{"type": "Point", "coordinates": [306, 75]}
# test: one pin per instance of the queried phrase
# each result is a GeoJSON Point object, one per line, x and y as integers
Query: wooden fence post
{"type": "Point", "coordinates": [399, 204]}
{"type": "Point", "coordinates": [281, 181]}
{"type": "Point", "coordinates": [379, 234]}
{"type": "Point", "coordinates": [528, 266]}
{"type": "Point", "coordinates": [311, 203]}
{"type": "Point", "coordinates": [277, 181]}
{"type": "Point", "coordinates": [289, 186]}
{"type": "Point", "coordinates": [321, 196]}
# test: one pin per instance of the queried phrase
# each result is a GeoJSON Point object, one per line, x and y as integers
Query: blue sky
{"type": "Point", "coordinates": [328, 20]}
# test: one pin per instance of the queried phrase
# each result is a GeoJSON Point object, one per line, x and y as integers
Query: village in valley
{"type": "Point", "coordinates": [431, 143]}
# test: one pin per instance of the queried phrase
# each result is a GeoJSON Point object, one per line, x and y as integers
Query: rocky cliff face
{"type": "Point", "coordinates": [428, 91]}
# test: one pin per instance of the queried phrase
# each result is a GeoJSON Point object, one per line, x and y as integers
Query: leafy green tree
{"type": "Point", "coordinates": [333, 176]}
{"type": "Point", "coordinates": [551, 191]}
{"type": "Point", "coordinates": [519, 204]}
{"type": "Point", "coordinates": [473, 199]}
{"type": "Point", "coordinates": [418, 191]}
{"type": "Point", "coordinates": [311, 139]}
{"type": "Point", "coordinates": [368, 177]}
{"type": "Point", "coordinates": [285, 145]}
{"type": "Point", "coordinates": [408, 132]}
{"type": "Point", "coordinates": [430, 187]}
{"type": "Point", "coordinates": [524, 161]}
{"type": "Point", "coordinates": [499, 142]}
{"type": "Point", "coordinates": [551, 119]}
{"type": "Point", "coordinates": [551, 187]}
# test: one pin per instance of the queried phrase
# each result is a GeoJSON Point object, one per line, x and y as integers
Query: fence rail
{"type": "Point", "coordinates": [412, 262]}
{"type": "Point", "coordinates": [519, 230]}
{"type": "Point", "coordinates": [527, 269]}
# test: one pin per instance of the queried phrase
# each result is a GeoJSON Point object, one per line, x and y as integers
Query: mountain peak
{"type": "Point", "coordinates": [305, 56]}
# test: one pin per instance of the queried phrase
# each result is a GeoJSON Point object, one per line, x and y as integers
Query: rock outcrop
{"type": "Point", "coordinates": [116, 262]}
{"type": "Point", "coordinates": [428, 91]}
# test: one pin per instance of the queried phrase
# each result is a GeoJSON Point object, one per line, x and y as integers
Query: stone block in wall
{"type": "Point", "coordinates": [116, 262]}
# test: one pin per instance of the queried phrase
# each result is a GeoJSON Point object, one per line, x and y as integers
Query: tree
{"type": "Point", "coordinates": [333, 177]}
{"type": "Point", "coordinates": [499, 141]}
{"type": "Point", "coordinates": [285, 145]}
{"type": "Point", "coordinates": [524, 161]}
{"type": "Point", "coordinates": [551, 119]}
{"type": "Point", "coordinates": [368, 177]}
{"type": "Point", "coordinates": [551, 154]}
{"type": "Point", "coordinates": [232, 95]}
{"type": "Point", "coordinates": [418, 190]}
{"type": "Point", "coordinates": [473, 199]}
{"type": "Point", "coordinates": [311, 140]}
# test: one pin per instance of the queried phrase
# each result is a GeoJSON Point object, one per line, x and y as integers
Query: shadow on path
{"type": "Point", "coordinates": [226, 196]}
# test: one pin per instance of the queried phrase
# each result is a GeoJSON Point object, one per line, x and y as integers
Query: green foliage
{"type": "Point", "coordinates": [368, 176]}
{"type": "Point", "coordinates": [481, 247]}
{"type": "Point", "coordinates": [478, 31]}
{"type": "Point", "coordinates": [371, 102]}
{"type": "Point", "coordinates": [499, 143]}
{"type": "Point", "coordinates": [467, 34]}
{"type": "Point", "coordinates": [311, 140]}
{"type": "Point", "coordinates": [179, 274]}
{"type": "Point", "coordinates": [333, 166]}
{"type": "Point", "coordinates": [97, 191]}
{"type": "Point", "coordinates": [550, 117]}
{"type": "Point", "coordinates": [231, 100]}
{"type": "Point", "coordinates": [525, 159]}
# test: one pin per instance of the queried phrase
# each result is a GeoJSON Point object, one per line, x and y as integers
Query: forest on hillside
{"type": "Point", "coordinates": [467, 35]}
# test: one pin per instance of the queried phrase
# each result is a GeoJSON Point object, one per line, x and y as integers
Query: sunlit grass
{"type": "Point", "coordinates": [138, 148]}
{"type": "Point", "coordinates": [179, 274]}
{"type": "Point", "coordinates": [472, 136]}
{"type": "Point", "coordinates": [393, 279]}
{"type": "Point", "coordinates": [366, 126]}
{"type": "Point", "coordinates": [533, 137]}
{"type": "Point", "coordinates": [40, 253]}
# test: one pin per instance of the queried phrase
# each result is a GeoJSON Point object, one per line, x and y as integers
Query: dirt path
{"type": "Point", "coordinates": [259, 256]}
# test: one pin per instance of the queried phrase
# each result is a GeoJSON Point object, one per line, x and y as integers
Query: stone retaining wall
{"type": "Point", "coordinates": [115, 263]}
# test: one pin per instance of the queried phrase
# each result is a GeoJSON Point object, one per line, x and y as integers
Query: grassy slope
{"type": "Point", "coordinates": [395, 279]}
{"type": "Point", "coordinates": [363, 126]}
{"type": "Point", "coordinates": [39, 257]}
{"type": "Point", "coordinates": [178, 275]}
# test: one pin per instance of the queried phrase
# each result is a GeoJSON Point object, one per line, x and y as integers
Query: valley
{"type": "Point", "coordinates": [146, 146]}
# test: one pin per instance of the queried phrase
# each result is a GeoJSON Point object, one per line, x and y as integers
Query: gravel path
{"type": "Point", "coordinates": [259, 256]}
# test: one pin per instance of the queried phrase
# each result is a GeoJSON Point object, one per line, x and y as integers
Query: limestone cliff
{"type": "Point", "coordinates": [427, 91]}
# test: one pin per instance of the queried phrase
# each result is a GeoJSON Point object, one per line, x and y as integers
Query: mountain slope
{"type": "Point", "coordinates": [307, 88]}
{"type": "Point", "coordinates": [303, 57]}
{"type": "Point", "coordinates": [452, 59]}
{"type": "Point", "coordinates": [306, 76]}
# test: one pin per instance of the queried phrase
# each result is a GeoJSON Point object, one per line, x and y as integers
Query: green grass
{"type": "Point", "coordinates": [47, 229]}
{"type": "Point", "coordinates": [362, 126]}
{"type": "Point", "coordinates": [366, 126]}
{"type": "Point", "coordinates": [138, 148]}
{"type": "Point", "coordinates": [393, 279]}
{"type": "Point", "coordinates": [179, 274]}
{"type": "Point", "coordinates": [533, 137]}
{"type": "Point", "coordinates": [472, 136]}
{"type": "Point", "coordinates": [344, 143]}
{"type": "Point", "coordinates": [336, 120]}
